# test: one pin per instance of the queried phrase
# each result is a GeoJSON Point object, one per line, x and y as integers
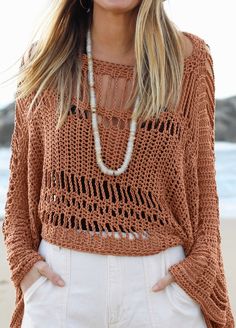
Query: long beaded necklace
{"type": "Point", "coordinates": [97, 142]}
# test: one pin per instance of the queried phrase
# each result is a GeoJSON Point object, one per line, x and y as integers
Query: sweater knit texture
{"type": "Point", "coordinates": [166, 197]}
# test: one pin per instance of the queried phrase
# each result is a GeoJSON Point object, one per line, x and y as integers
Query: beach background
{"type": "Point", "coordinates": [18, 22]}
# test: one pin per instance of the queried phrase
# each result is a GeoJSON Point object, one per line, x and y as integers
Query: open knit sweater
{"type": "Point", "coordinates": [166, 197]}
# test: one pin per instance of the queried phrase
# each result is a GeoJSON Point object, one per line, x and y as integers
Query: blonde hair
{"type": "Point", "coordinates": [52, 61]}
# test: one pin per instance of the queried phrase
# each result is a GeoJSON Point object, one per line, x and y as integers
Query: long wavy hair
{"type": "Point", "coordinates": [52, 61]}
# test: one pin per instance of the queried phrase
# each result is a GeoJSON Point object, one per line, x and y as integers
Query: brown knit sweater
{"type": "Point", "coordinates": [168, 193]}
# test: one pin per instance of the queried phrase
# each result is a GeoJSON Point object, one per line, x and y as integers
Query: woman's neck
{"type": "Point", "coordinates": [113, 35]}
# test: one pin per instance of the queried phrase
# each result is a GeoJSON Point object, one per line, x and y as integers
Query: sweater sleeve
{"type": "Point", "coordinates": [17, 228]}
{"type": "Point", "coordinates": [201, 274]}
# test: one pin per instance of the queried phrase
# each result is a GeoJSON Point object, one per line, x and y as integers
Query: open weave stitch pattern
{"type": "Point", "coordinates": [166, 197]}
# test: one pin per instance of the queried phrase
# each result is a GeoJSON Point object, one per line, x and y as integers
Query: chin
{"type": "Point", "coordinates": [117, 6]}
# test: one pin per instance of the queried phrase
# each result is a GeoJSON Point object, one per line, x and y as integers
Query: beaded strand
{"type": "Point", "coordinates": [97, 142]}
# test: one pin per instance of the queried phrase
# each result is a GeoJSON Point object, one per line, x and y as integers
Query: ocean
{"type": "Point", "coordinates": [225, 178]}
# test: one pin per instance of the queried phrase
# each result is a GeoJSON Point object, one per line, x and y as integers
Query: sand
{"type": "Point", "coordinates": [228, 230]}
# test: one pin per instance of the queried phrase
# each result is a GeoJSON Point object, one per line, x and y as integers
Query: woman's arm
{"type": "Point", "coordinates": [201, 273]}
{"type": "Point", "coordinates": [16, 228]}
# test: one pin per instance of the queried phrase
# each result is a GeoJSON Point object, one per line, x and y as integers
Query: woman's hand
{"type": "Point", "coordinates": [40, 268]}
{"type": "Point", "coordinates": [162, 283]}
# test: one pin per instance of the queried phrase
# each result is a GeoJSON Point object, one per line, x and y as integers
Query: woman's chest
{"type": "Point", "coordinates": [155, 142]}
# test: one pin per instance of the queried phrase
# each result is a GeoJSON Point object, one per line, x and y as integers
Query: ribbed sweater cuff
{"type": "Point", "coordinates": [24, 265]}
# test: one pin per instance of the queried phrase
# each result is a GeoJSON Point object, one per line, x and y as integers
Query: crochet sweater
{"type": "Point", "coordinates": [166, 197]}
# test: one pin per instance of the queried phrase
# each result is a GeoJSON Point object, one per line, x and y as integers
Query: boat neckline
{"type": "Point", "coordinates": [130, 67]}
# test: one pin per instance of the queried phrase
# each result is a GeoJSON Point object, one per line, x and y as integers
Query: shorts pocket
{"type": "Point", "coordinates": [177, 296]}
{"type": "Point", "coordinates": [32, 289]}
{"type": "Point", "coordinates": [44, 250]}
{"type": "Point", "coordinates": [171, 306]}
{"type": "Point", "coordinates": [181, 292]}
{"type": "Point", "coordinates": [46, 301]}
{"type": "Point", "coordinates": [183, 305]}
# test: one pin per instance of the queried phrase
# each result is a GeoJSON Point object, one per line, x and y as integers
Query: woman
{"type": "Point", "coordinates": [112, 209]}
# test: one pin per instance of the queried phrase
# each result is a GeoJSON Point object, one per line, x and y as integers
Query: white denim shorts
{"type": "Point", "coordinates": [109, 291]}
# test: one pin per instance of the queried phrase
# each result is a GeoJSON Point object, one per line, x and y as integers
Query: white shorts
{"type": "Point", "coordinates": [108, 291]}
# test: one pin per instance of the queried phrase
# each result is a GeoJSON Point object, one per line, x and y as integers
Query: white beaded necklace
{"type": "Point", "coordinates": [133, 124]}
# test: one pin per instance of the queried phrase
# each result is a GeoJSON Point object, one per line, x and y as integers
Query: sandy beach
{"type": "Point", "coordinates": [228, 229]}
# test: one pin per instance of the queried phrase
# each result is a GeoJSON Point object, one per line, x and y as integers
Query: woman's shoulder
{"type": "Point", "coordinates": [194, 44]}
{"type": "Point", "coordinates": [198, 56]}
